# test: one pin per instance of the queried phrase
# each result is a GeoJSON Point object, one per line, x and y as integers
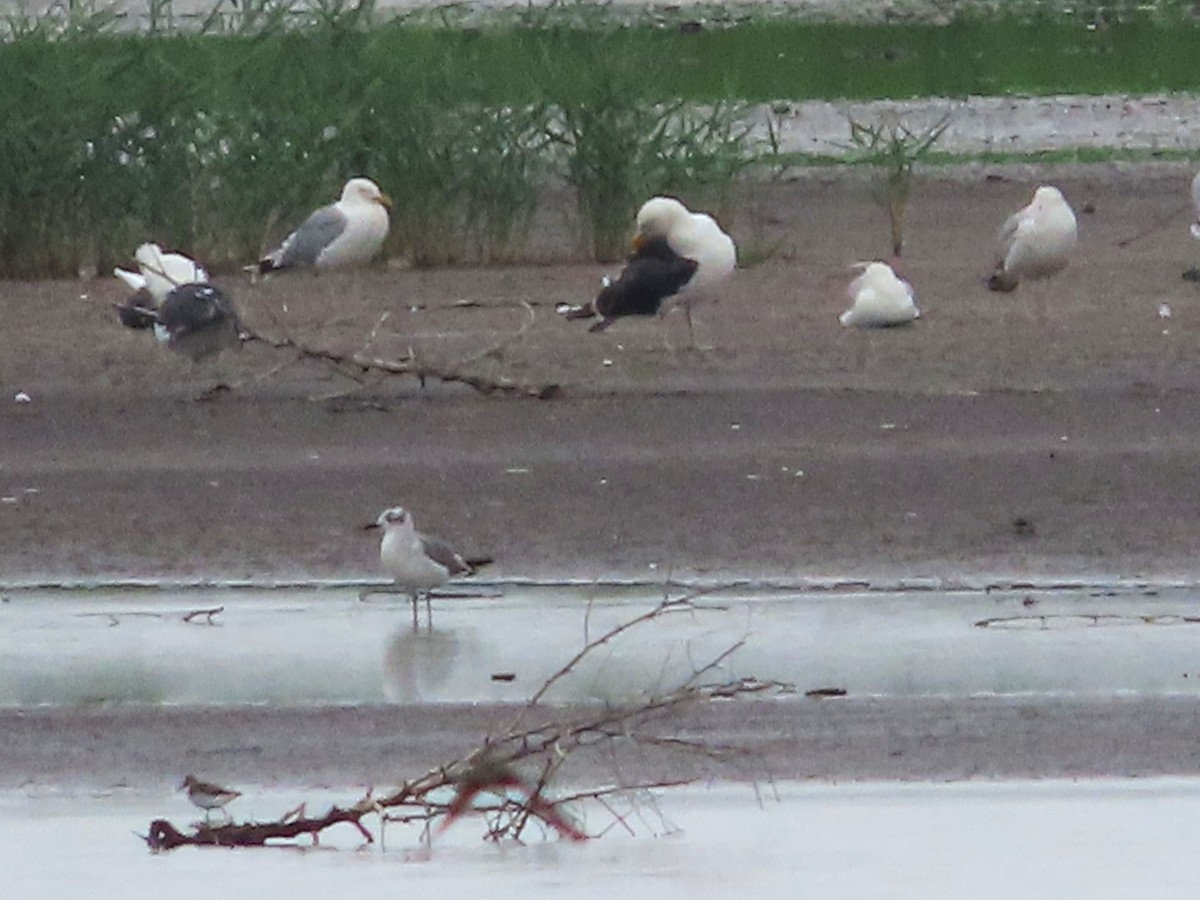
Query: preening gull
{"type": "Point", "coordinates": [653, 273]}
{"type": "Point", "coordinates": [207, 796]}
{"type": "Point", "coordinates": [1035, 242]}
{"type": "Point", "coordinates": [676, 254]}
{"type": "Point", "coordinates": [1195, 229]}
{"type": "Point", "coordinates": [346, 233]}
{"type": "Point", "coordinates": [199, 321]}
{"type": "Point", "coordinates": [879, 299]}
{"type": "Point", "coordinates": [196, 320]}
{"type": "Point", "coordinates": [693, 236]}
{"type": "Point", "coordinates": [416, 562]}
{"type": "Point", "coordinates": [158, 274]}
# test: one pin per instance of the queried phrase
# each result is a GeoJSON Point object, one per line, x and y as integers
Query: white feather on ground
{"type": "Point", "coordinates": [160, 273]}
{"type": "Point", "coordinates": [346, 233]}
{"type": "Point", "coordinates": [1036, 241]}
{"type": "Point", "coordinates": [694, 236]}
{"type": "Point", "coordinates": [879, 299]}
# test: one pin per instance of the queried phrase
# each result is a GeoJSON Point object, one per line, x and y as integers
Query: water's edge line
{"type": "Point", "coordinates": [813, 584]}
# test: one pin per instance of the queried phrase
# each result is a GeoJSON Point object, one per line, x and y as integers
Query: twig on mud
{"type": "Point", "coordinates": [114, 618]}
{"type": "Point", "coordinates": [491, 780]}
{"type": "Point", "coordinates": [208, 614]}
{"type": "Point", "coordinates": [1157, 225]}
{"type": "Point", "coordinates": [355, 364]}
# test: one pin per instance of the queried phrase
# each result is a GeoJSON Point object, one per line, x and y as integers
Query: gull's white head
{"type": "Point", "coordinates": [395, 517]}
{"type": "Point", "coordinates": [1047, 196]}
{"type": "Point", "coordinates": [875, 272]}
{"type": "Point", "coordinates": [658, 216]}
{"type": "Point", "coordinates": [364, 190]}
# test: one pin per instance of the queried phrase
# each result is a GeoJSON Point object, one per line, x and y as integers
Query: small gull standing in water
{"type": "Point", "coordinates": [346, 233]}
{"type": "Point", "coordinates": [416, 562]}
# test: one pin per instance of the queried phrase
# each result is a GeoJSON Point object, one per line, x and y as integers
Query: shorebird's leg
{"type": "Point", "coordinates": [428, 612]}
{"type": "Point", "coordinates": [416, 615]}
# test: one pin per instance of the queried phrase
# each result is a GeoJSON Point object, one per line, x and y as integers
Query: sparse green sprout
{"type": "Point", "coordinates": [894, 150]}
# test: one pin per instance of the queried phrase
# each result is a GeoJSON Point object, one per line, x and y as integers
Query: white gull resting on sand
{"type": "Point", "coordinates": [158, 274]}
{"type": "Point", "coordinates": [349, 232]}
{"type": "Point", "coordinates": [416, 562]}
{"type": "Point", "coordinates": [879, 299]}
{"type": "Point", "coordinates": [1035, 242]}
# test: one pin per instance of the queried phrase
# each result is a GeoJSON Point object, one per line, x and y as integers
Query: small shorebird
{"type": "Point", "coordinates": [208, 796]}
{"type": "Point", "coordinates": [416, 562]}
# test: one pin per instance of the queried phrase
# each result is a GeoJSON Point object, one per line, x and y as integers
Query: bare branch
{"type": "Point", "coordinates": [207, 614]}
{"type": "Point", "coordinates": [493, 779]}
{"type": "Point", "coordinates": [363, 362]}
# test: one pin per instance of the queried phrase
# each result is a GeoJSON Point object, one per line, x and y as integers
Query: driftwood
{"type": "Point", "coordinates": [508, 778]}
{"type": "Point", "coordinates": [356, 364]}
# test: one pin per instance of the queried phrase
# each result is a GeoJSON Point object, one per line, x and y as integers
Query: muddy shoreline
{"type": "Point", "coordinates": [931, 739]}
{"type": "Point", "coordinates": [794, 448]}
{"type": "Point", "coordinates": [1047, 434]}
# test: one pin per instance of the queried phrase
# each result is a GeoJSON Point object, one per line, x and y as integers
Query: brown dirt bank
{"type": "Point", "coordinates": [919, 447]}
{"type": "Point", "coordinates": [926, 738]}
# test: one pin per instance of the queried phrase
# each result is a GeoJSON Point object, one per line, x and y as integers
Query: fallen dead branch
{"type": "Point", "coordinates": [114, 618]}
{"type": "Point", "coordinates": [207, 614]}
{"type": "Point", "coordinates": [508, 779]}
{"type": "Point", "coordinates": [355, 365]}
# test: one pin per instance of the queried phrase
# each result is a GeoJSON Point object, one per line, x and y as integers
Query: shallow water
{"type": "Point", "coordinates": [1095, 839]}
{"type": "Point", "coordinates": [322, 646]}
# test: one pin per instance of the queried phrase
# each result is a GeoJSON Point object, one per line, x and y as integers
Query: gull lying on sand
{"type": "Point", "coordinates": [1035, 242]}
{"type": "Point", "coordinates": [879, 299]}
{"type": "Point", "coordinates": [416, 562]}
{"type": "Point", "coordinates": [346, 233]}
